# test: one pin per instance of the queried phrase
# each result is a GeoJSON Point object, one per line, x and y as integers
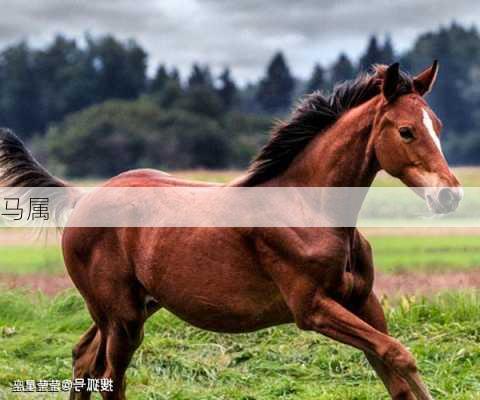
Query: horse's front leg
{"type": "Point", "coordinates": [330, 318]}
{"type": "Point", "coordinates": [308, 266]}
{"type": "Point", "coordinates": [372, 313]}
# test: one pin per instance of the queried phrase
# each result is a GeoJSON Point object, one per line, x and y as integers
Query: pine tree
{"type": "Point", "coordinates": [166, 88]}
{"type": "Point", "coordinates": [201, 97]}
{"type": "Point", "coordinates": [120, 68]}
{"type": "Point", "coordinates": [276, 88]}
{"type": "Point", "coordinates": [342, 69]}
{"type": "Point", "coordinates": [160, 80]}
{"type": "Point", "coordinates": [19, 98]}
{"type": "Point", "coordinates": [200, 76]}
{"type": "Point", "coordinates": [388, 53]}
{"type": "Point", "coordinates": [373, 55]}
{"type": "Point", "coordinates": [174, 75]}
{"type": "Point", "coordinates": [317, 80]}
{"type": "Point", "coordinates": [227, 90]}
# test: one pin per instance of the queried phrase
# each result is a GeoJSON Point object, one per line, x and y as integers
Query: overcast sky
{"type": "Point", "coordinates": [240, 33]}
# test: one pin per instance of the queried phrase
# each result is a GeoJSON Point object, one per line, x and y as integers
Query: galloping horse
{"type": "Point", "coordinates": [244, 279]}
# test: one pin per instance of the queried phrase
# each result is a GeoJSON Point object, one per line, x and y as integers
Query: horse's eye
{"type": "Point", "coordinates": [406, 134]}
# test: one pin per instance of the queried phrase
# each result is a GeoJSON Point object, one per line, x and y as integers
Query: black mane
{"type": "Point", "coordinates": [313, 115]}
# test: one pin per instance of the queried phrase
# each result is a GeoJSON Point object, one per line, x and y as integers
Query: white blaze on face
{"type": "Point", "coordinates": [427, 121]}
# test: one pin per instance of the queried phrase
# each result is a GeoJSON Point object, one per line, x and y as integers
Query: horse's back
{"type": "Point", "coordinates": [151, 178]}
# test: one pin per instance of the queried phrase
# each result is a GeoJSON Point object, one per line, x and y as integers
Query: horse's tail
{"type": "Point", "coordinates": [19, 169]}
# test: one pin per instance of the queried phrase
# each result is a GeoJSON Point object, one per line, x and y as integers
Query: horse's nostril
{"type": "Point", "coordinates": [447, 198]}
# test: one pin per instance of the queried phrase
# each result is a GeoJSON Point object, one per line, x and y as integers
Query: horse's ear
{"type": "Point", "coordinates": [424, 81]}
{"type": "Point", "coordinates": [390, 81]}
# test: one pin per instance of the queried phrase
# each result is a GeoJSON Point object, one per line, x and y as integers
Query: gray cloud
{"type": "Point", "coordinates": [242, 34]}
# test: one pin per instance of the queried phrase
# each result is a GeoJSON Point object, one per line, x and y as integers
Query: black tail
{"type": "Point", "coordinates": [18, 168]}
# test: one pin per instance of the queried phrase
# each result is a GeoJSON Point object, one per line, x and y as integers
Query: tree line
{"type": "Point", "coordinates": [91, 109]}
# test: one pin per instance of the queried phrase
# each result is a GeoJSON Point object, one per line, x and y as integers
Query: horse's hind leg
{"type": "Point", "coordinates": [116, 301]}
{"type": "Point", "coordinates": [123, 338]}
{"type": "Point", "coordinates": [87, 360]}
{"type": "Point", "coordinates": [372, 313]}
{"type": "Point", "coordinates": [105, 352]}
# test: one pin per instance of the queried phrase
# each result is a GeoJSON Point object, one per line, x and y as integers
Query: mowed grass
{"type": "Point", "coordinates": [392, 254]}
{"type": "Point", "coordinates": [27, 259]}
{"type": "Point", "coordinates": [179, 362]}
{"type": "Point", "coordinates": [468, 176]}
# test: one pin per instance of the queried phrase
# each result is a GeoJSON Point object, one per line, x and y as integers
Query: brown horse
{"type": "Point", "coordinates": [240, 280]}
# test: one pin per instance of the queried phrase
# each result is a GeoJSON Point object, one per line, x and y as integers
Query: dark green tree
{"type": "Point", "coordinates": [118, 135]}
{"type": "Point", "coordinates": [387, 53]}
{"type": "Point", "coordinates": [317, 80]}
{"type": "Point", "coordinates": [202, 100]}
{"type": "Point", "coordinates": [169, 94]}
{"type": "Point", "coordinates": [342, 69]}
{"type": "Point", "coordinates": [19, 95]}
{"type": "Point", "coordinates": [175, 75]}
{"type": "Point", "coordinates": [160, 79]}
{"type": "Point", "coordinates": [120, 68]}
{"type": "Point", "coordinates": [200, 76]}
{"type": "Point", "coordinates": [276, 88]}
{"type": "Point", "coordinates": [200, 96]}
{"type": "Point", "coordinates": [458, 50]}
{"type": "Point", "coordinates": [227, 90]}
{"type": "Point", "coordinates": [373, 55]}
{"type": "Point", "coordinates": [66, 79]}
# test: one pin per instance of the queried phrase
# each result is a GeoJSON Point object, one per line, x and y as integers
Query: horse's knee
{"type": "Point", "coordinates": [311, 320]}
{"type": "Point", "coordinates": [399, 358]}
{"type": "Point", "coordinates": [314, 314]}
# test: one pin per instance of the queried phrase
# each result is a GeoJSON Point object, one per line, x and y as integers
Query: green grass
{"type": "Point", "coordinates": [468, 176]}
{"type": "Point", "coordinates": [179, 362]}
{"type": "Point", "coordinates": [425, 253]}
{"type": "Point", "coordinates": [392, 254]}
{"type": "Point", "coordinates": [27, 259]}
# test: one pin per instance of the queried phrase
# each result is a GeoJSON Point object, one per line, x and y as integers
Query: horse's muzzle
{"type": "Point", "coordinates": [444, 200]}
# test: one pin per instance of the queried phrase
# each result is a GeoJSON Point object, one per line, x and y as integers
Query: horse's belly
{"type": "Point", "coordinates": [233, 314]}
{"type": "Point", "coordinates": [211, 279]}
{"type": "Point", "coordinates": [221, 297]}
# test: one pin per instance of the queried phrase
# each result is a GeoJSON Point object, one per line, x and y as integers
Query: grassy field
{"type": "Point", "coordinates": [393, 253]}
{"type": "Point", "coordinates": [468, 176]}
{"type": "Point", "coordinates": [179, 362]}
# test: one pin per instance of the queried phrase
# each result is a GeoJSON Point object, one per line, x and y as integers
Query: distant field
{"type": "Point", "coordinates": [392, 253]}
{"type": "Point", "coordinates": [468, 176]}
{"type": "Point", "coordinates": [425, 253]}
{"type": "Point", "coordinates": [178, 362]}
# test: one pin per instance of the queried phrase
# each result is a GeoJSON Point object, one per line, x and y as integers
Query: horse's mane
{"type": "Point", "coordinates": [313, 115]}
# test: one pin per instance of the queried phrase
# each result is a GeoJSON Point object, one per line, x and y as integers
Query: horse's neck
{"type": "Point", "coordinates": [342, 156]}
